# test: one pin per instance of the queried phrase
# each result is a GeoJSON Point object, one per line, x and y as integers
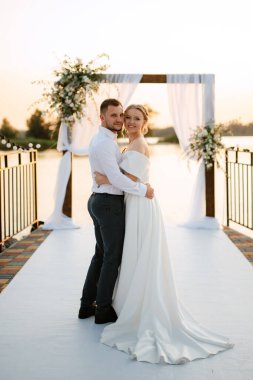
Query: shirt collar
{"type": "Point", "coordinates": [108, 133]}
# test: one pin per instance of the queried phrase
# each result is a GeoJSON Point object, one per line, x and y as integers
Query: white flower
{"type": "Point", "coordinates": [205, 143]}
{"type": "Point", "coordinates": [14, 147]}
{"type": "Point", "coordinates": [3, 141]}
{"type": "Point", "coordinates": [86, 79]}
{"type": "Point", "coordinates": [38, 146]}
{"type": "Point", "coordinates": [8, 145]}
{"type": "Point", "coordinates": [69, 91]}
{"type": "Point", "coordinates": [30, 145]}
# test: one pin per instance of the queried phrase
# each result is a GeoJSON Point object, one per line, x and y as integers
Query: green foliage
{"type": "Point", "coordinates": [7, 129]}
{"type": "Point", "coordinates": [150, 132]}
{"type": "Point", "coordinates": [75, 81]}
{"type": "Point", "coordinates": [55, 129]}
{"type": "Point", "coordinates": [37, 126]}
{"type": "Point", "coordinates": [237, 128]}
{"type": "Point", "coordinates": [169, 139]}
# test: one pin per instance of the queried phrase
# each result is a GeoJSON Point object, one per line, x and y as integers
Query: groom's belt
{"type": "Point", "coordinates": [108, 195]}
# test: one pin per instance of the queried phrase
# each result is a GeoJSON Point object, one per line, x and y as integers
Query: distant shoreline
{"type": "Point", "coordinates": [235, 141]}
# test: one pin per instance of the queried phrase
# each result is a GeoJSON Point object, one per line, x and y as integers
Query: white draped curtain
{"type": "Point", "coordinates": [81, 134]}
{"type": "Point", "coordinates": [191, 104]}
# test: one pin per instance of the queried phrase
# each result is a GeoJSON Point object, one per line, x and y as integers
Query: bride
{"type": "Point", "coordinates": [152, 323]}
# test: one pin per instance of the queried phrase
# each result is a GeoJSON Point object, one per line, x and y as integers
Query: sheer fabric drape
{"type": "Point", "coordinates": [191, 104]}
{"type": "Point", "coordinates": [81, 135]}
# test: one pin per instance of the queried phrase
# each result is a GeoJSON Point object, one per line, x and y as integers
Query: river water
{"type": "Point", "coordinates": [169, 176]}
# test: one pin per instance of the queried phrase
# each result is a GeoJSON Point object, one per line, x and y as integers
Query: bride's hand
{"type": "Point", "coordinates": [150, 192]}
{"type": "Point", "coordinates": [101, 179]}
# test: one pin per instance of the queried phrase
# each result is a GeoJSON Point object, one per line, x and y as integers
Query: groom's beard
{"type": "Point", "coordinates": [114, 129]}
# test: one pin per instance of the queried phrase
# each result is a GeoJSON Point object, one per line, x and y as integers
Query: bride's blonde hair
{"type": "Point", "coordinates": [144, 112]}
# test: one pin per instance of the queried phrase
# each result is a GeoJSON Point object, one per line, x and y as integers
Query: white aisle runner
{"type": "Point", "coordinates": [41, 337]}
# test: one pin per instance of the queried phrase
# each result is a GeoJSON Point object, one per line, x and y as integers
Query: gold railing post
{"type": "Point", "coordinates": [34, 161]}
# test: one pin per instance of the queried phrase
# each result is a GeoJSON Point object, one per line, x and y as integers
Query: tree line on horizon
{"type": "Point", "coordinates": [40, 128]}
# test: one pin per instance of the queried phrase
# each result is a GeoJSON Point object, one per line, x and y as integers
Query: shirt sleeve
{"type": "Point", "coordinates": [108, 162]}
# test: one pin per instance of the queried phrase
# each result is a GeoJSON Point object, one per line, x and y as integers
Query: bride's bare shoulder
{"type": "Point", "coordinates": [140, 145]}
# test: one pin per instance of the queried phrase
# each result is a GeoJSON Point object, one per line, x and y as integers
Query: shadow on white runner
{"type": "Point", "coordinates": [205, 223]}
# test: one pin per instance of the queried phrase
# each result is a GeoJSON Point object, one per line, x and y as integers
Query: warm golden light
{"type": "Point", "coordinates": [140, 36]}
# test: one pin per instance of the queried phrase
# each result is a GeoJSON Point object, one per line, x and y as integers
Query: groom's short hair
{"type": "Point", "coordinates": [109, 102]}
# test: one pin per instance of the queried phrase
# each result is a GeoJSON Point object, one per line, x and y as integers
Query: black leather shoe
{"type": "Point", "coordinates": [105, 315]}
{"type": "Point", "coordinates": [86, 311]}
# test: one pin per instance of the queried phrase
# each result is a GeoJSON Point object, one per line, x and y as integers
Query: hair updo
{"type": "Point", "coordinates": [144, 112]}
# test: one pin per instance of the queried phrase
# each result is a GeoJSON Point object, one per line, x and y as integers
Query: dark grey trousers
{"type": "Point", "coordinates": [108, 214]}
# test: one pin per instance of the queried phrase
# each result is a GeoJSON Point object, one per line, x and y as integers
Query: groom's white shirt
{"type": "Point", "coordinates": [105, 157]}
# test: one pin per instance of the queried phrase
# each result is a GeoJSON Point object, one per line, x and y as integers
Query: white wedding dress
{"type": "Point", "coordinates": [152, 324]}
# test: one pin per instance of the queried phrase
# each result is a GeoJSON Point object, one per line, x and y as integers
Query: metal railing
{"type": "Point", "coordinates": [239, 186]}
{"type": "Point", "coordinates": [18, 193]}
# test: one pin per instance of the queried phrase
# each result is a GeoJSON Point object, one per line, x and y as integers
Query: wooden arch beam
{"type": "Point", "coordinates": [153, 78]}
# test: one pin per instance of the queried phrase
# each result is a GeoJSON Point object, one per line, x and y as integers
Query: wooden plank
{"type": "Point", "coordinates": [153, 78]}
{"type": "Point", "coordinates": [162, 78]}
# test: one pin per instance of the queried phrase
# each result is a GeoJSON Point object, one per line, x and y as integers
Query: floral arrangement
{"type": "Point", "coordinates": [205, 143]}
{"type": "Point", "coordinates": [75, 81]}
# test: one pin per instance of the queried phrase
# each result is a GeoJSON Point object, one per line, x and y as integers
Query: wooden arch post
{"type": "Point", "coordinates": [208, 104]}
{"type": "Point", "coordinates": [67, 204]}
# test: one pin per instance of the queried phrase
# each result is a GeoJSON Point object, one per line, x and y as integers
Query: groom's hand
{"type": "Point", "coordinates": [150, 192]}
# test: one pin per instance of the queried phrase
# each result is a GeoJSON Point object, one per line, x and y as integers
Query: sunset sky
{"type": "Point", "coordinates": [140, 36]}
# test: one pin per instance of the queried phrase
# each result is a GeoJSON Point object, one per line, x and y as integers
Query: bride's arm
{"type": "Point", "coordinates": [102, 179]}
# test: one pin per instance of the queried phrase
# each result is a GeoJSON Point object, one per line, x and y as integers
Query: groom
{"type": "Point", "coordinates": [107, 210]}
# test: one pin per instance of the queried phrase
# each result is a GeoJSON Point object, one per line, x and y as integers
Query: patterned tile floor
{"type": "Point", "coordinates": [243, 243]}
{"type": "Point", "coordinates": [12, 259]}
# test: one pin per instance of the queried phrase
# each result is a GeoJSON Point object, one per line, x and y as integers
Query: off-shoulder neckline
{"type": "Point", "coordinates": [135, 151]}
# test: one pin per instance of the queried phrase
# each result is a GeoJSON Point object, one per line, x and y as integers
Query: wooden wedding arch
{"type": "Point", "coordinates": [209, 174]}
